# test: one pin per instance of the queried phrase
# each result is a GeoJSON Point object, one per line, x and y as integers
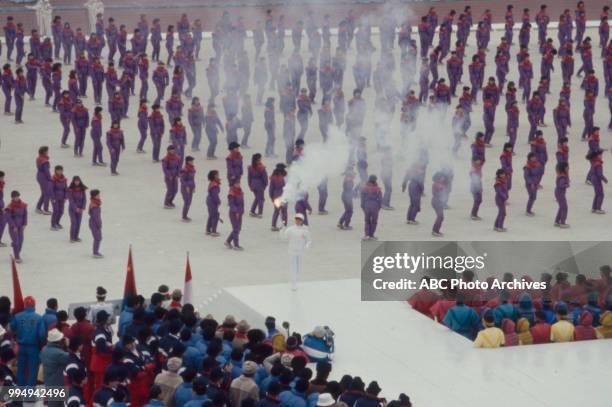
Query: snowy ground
{"type": "Point", "coordinates": [133, 214]}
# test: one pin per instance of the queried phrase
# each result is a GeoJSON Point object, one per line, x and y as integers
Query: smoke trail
{"type": "Point", "coordinates": [318, 161]}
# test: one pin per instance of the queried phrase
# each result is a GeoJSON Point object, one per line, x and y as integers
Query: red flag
{"type": "Point", "coordinates": [187, 293]}
{"type": "Point", "coordinates": [129, 288]}
{"type": "Point", "coordinates": [17, 295]}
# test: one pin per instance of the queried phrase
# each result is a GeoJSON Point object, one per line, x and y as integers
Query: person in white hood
{"type": "Point", "coordinates": [299, 240]}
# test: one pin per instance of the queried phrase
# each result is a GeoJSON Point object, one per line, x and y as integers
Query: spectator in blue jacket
{"type": "Point", "coordinates": [298, 397]}
{"type": "Point", "coordinates": [50, 315]}
{"type": "Point", "coordinates": [126, 316]}
{"type": "Point", "coordinates": [156, 398]}
{"type": "Point", "coordinates": [353, 392]}
{"type": "Point", "coordinates": [199, 392]}
{"type": "Point", "coordinates": [30, 332]}
{"type": "Point", "coordinates": [184, 393]}
{"type": "Point", "coordinates": [370, 398]}
{"type": "Point", "coordinates": [271, 397]}
{"type": "Point", "coordinates": [591, 306]}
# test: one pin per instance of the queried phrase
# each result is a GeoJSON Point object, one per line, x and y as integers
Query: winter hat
{"type": "Point", "coordinates": [249, 368]}
{"type": "Point", "coordinates": [29, 302]}
{"type": "Point", "coordinates": [243, 327]}
{"type": "Point", "coordinates": [177, 295]}
{"type": "Point", "coordinates": [174, 364]}
{"type": "Point", "coordinates": [325, 400]}
{"type": "Point", "coordinates": [229, 320]}
{"type": "Point", "coordinates": [54, 335]}
{"type": "Point", "coordinates": [163, 290]}
{"type": "Point", "coordinates": [318, 332]}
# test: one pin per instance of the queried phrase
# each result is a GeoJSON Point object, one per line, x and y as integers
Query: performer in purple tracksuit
{"type": "Point", "coordinates": [212, 126]}
{"type": "Point", "coordinates": [525, 76]}
{"type": "Point", "coordinates": [277, 184]}
{"type": "Point", "coordinates": [562, 119]}
{"type": "Point", "coordinates": [476, 187]}
{"type": "Point", "coordinates": [386, 175]}
{"type": "Point", "coordinates": [234, 163]}
{"type": "Point", "coordinates": [562, 153]}
{"type": "Point", "coordinates": [143, 125]}
{"type": "Point", "coordinates": [2, 208]}
{"type": "Point", "coordinates": [597, 180]}
{"type": "Point", "coordinates": [187, 178]}
{"type": "Point", "coordinates": [43, 177]}
{"type": "Point", "coordinates": [532, 172]}
{"type": "Point", "coordinates": [178, 138]}
{"type": "Point", "coordinates": [561, 184]}
{"type": "Point", "coordinates": [77, 202]}
{"type": "Point", "coordinates": [8, 83]}
{"type": "Point", "coordinates": [236, 210]}
{"type": "Point", "coordinates": [213, 201]}
{"type": "Point", "coordinates": [170, 44]}
{"type": "Point", "coordinates": [246, 119]}
{"type": "Point", "coordinates": [95, 221]}
{"type": "Point", "coordinates": [171, 166]}
{"type": "Point", "coordinates": [161, 80]}
{"type": "Point", "coordinates": [348, 186]}
{"type": "Point", "coordinates": [59, 189]}
{"type": "Point", "coordinates": [143, 75]}
{"type": "Point", "coordinates": [505, 160]}
{"type": "Point", "coordinates": [371, 203]}
{"type": "Point", "coordinates": [257, 181]}
{"type": "Point", "coordinates": [534, 109]}
{"type": "Point", "coordinates": [588, 113]}
{"type": "Point", "coordinates": [80, 122]}
{"type": "Point", "coordinates": [82, 67]}
{"type": "Point", "coordinates": [513, 121]}
{"type": "Point", "coordinates": [415, 182]}
{"type": "Point", "coordinates": [439, 197]}
{"type": "Point", "coordinates": [116, 107]}
{"type": "Point", "coordinates": [10, 33]}
{"type": "Point", "coordinates": [156, 127]}
{"type": "Point", "coordinates": [115, 142]}
{"type": "Point", "coordinates": [501, 197]}
{"type": "Point", "coordinates": [156, 38]}
{"type": "Point", "coordinates": [21, 88]}
{"type": "Point", "coordinates": [538, 146]}
{"type": "Point", "coordinates": [111, 79]}
{"type": "Point", "coordinates": [174, 107]}
{"type": "Point", "coordinates": [195, 116]}
{"type": "Point", "coordinates": [16, 215]}
{"type": "Point", "coordinates": [96, 137]}
{"type": "Point", "coordinates": [489, 119]}
{"type": "Point", "coordinates": [33, 66]}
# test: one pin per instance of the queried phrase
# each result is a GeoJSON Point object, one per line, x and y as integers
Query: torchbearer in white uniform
{"type": "Point", "coordinates": [94, 7]}
{"type": "Point", "coordinates": [298, 237]}
{"type": "Point", "coordinates": [44, 15]}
